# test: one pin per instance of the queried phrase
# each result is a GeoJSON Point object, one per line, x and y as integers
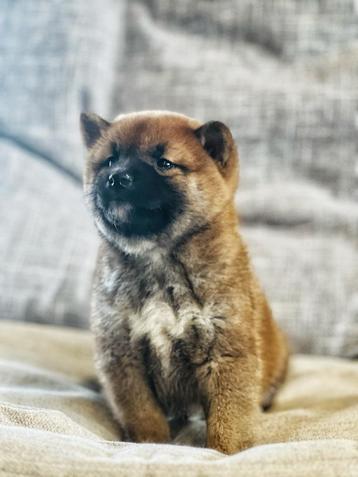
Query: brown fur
{"type": "Point", "coordinates": [218, 345]}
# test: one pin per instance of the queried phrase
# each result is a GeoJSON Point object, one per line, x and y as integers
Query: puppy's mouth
{"type": "Point", "coordinates": [115, 215]}
{"type": "Point", "coordinates": [133, 220]}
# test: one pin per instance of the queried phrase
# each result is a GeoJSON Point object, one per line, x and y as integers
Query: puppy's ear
{"type": "Point", "coordinates": [92, 128]}
{"type": "Point", "coordinates": [217, 140]}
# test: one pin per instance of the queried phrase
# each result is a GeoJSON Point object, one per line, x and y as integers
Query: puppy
{"type": "Point", "coordinates": [178, 315]}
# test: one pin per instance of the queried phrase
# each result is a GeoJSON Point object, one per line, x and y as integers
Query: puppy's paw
{"type": "Point", "coordinates": [229, 443]}
{"type": "Point", "coordinates": [149, 430]}
{"type": "Point", "coordinates": [229, 447]}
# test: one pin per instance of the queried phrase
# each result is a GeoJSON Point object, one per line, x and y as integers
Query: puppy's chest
{"type": "Point", "coordinates": [175, 326]}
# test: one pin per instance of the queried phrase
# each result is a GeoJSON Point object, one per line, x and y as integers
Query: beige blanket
{"type": "Point", "coordinates": [51, 425]}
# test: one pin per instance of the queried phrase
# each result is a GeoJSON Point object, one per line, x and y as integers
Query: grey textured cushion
{"type": "Point", "coordinates": [56, 59]}
{"type": "Point", "coordinates": [282, 75]}
{"type": "Point", "coordinates": [48, 246]}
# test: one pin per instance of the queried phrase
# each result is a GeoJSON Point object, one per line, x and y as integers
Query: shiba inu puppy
{"type": "Point", "coordinates": [178, 315]}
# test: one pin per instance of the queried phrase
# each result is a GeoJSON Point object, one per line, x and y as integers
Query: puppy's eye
{"type": "Point", "coordinates": [109, 161]}
{"type": "Point", "coordinates": [164, 164]}
{"type": "Point", "coordinates": [112, 157]}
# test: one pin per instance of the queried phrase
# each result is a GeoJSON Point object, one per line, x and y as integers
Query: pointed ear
{"type": "Point", "coordinates": [92, 128]}
{"type": "Point", "coordinates": [217, 140]}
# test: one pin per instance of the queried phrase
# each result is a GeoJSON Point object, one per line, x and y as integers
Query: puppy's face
{"type": "Point", "coordinates": [154, 176]}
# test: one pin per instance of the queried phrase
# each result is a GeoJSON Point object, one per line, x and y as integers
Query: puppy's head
{"type": "Point", "coordinates": [152, 177]}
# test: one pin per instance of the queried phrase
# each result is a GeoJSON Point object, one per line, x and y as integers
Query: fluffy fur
{"type": "Point", "coordinates": [178, 315]}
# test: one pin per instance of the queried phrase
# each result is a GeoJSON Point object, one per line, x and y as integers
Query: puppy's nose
{"type": "Point", "coordinates": [118, 181]}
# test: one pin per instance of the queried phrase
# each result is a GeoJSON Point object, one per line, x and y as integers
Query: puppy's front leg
{"type": "Point", "coordinates": [231, 405]}
{"type": "Point", "coordinates": [134, 405]}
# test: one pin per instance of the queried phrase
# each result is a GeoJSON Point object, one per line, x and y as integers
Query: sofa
{"type": "Point", "coordinates": [283, 76]}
